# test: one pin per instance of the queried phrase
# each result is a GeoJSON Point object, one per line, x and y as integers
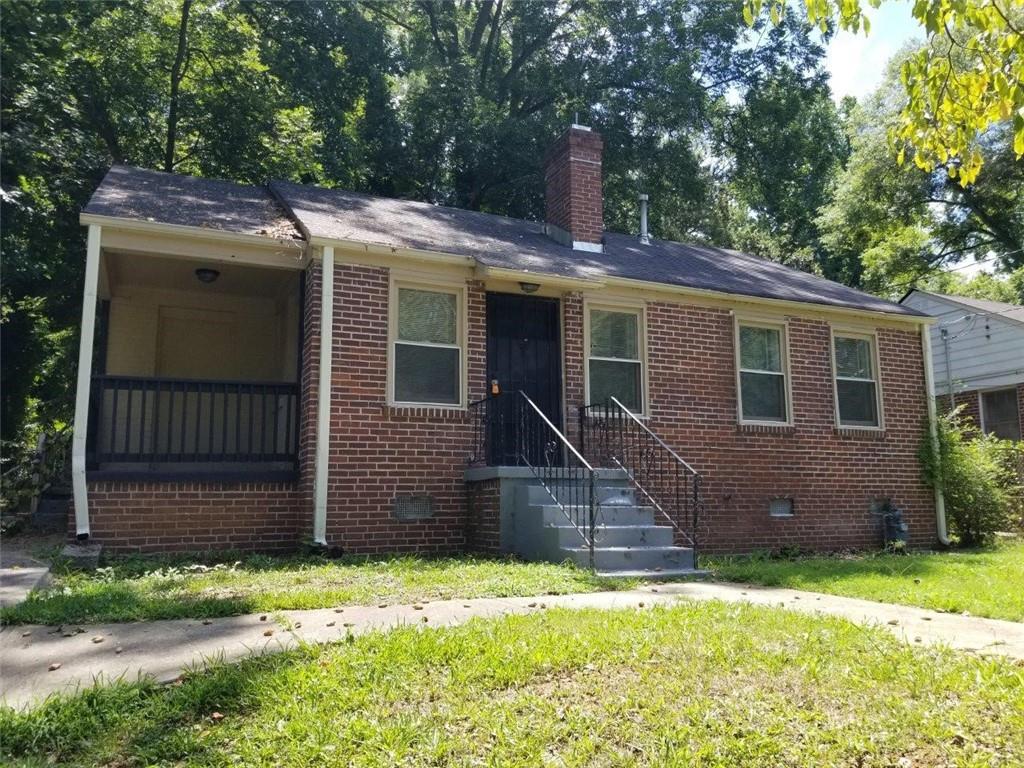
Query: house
{"type": "Point", "coordinates": [979, 358]}
{"type": "Point", "coordinates": [267, 365]}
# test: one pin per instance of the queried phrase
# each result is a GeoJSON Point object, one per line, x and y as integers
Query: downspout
{"type": "Point", "coordinates": [933, 433]}
{"type": "Point", "coordinates": [81, 424]}
{"type": "Point", "coordinates": [949, 368]}
{"type": "Point", "coordinates": [323, 398]}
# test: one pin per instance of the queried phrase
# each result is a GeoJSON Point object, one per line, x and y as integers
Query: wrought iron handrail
{"type": "Point", "coordinates": [518, 431]}
{"type": "Point", "coordinates": [137, 420]}
{"type": "Point", "coordinates": [610, 432]}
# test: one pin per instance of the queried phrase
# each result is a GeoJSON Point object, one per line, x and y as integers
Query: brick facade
{"type": "Point", "coordinates": [187, 516]}
{"type": "Point", "coordinates": [378, 451]}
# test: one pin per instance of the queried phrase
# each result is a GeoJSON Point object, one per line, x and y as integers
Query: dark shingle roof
{"type": "Point", "coordinates": [499, 241]}
{"type": "Point", "coordinates": [494, 241]}
{"type": "Point", "coordinates": [169, 198]}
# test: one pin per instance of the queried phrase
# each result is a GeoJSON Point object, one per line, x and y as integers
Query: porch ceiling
{"type": "Point", "coordinates": [169, 273]}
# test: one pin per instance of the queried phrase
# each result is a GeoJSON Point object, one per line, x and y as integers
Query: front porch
{"type": "Point", "coordinates": [196, 370]}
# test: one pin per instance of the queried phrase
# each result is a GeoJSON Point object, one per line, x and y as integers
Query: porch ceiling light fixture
{"type": "Point", "coordinates": [529, 287]}
{"type": "Point", "coordinates": [207, 275]}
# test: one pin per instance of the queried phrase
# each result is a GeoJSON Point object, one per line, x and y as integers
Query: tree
{"type": "Point", "coordinates": [888, 226]}
{"type": "Point", "coordinates": [969, 78]}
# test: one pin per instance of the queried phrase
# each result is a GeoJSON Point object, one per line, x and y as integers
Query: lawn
{"type": "Point", "coordinates": [171, 587]}
{"type": "Point", "coordinates": [988, 582]}
{"type": "Point", "coordinates": [702, 685]}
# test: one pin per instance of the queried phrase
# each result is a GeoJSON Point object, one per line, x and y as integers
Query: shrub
{"type": "Point", "coordinates": [979, 477]}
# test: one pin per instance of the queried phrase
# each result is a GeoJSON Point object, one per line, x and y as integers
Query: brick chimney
{"type": "Point", "coordinates": [572, 189]}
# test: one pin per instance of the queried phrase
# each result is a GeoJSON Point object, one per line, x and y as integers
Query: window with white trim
{"type": "Point", "coordinates": [856, 380]}
{"type": "Point", "coordinates": [427, 347]}
{"type": "Point", "coordinates": [1000, 414]}
{"type": "Point", "coordinates": [762, 378]}
{"type": "Point", "coordinates": [615, 357]}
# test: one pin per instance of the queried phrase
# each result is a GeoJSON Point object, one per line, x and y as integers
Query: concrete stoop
{"type": "Point", "coordinates": [628, 540]}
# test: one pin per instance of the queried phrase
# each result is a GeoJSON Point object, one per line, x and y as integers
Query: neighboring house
{"type": "Point", "coordinates": [979, 358]}
{"type": "Point", "coordinates": [279, 364]}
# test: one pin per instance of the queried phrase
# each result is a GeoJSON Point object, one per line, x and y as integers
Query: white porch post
{"type": "Point", "coordinates": [323, 398]}
{"type": "Point", "coordinates": [81, 425]}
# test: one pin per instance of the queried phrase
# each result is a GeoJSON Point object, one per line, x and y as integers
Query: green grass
{"type": "Point", "coordinates": [172, 587]}
{"type": "Point", "coordinates": [698, 685]}
{"type": "Point", "coordinates": [987, 582]}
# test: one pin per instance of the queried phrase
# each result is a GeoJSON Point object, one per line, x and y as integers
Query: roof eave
{"type": "Point", "coordinates": [205, 233]}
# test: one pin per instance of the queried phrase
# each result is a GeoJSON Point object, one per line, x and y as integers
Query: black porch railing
{"type": "Point", "coordinates": [160, 420]}
{"type": "Point", "coordinates": [611, 435]}
{"type": "Point", "coordinates": [510, 430]}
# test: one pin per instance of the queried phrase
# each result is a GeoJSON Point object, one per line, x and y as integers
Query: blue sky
{"type": "Point", "coordinates": [856, 62]}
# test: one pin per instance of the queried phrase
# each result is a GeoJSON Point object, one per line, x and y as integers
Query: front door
{"type": "Point", "coordinates": [523, 353]}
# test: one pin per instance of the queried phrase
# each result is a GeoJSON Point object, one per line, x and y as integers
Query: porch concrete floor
{"type": "Point", "coordinates": [163, 649]}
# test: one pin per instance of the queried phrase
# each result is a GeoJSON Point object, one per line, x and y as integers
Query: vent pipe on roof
{"type": "Point", "coordinates": [645, 238]}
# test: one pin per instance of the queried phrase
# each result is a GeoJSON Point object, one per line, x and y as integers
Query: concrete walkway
{"type": "Point", "coordinates": [19, 574]}
{"type": "Point", "coordinates": [163, 649]}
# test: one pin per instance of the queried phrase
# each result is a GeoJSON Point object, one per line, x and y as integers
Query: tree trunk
{"type": "Point", "coordinates": [177, 73]}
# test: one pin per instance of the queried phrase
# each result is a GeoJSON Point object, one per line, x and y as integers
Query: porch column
{"type": "Point", "coordinates": [323, 397]}
{"type": "Point", "coordinates": [81, 425]}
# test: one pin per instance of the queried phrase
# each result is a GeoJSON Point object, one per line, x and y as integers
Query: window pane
{"type": "Point", "coordinates": [858, 406]}
{"type": "Point", "coordinates": [853, 358]}
{"type": "Point", "coordinates": [614, 334]}
{"type": "Point", "coordinates": [1002, 417]}
{"type": "Point", "coordinates": [622, 380]}
{"type": "Point", "coordinates": [426, 374]}
{"type": "Point", "coordinates": [764, 396]}
{"type": "Point", "coordinates": [426, 316]}
{"type": "Point", "coordinates": [760, 348]}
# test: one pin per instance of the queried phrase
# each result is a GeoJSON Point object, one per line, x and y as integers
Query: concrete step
{"type": "Point", "coordinates": [616, 535]}
{"type": "Point", "coordinates": [620, 559]}
{"type": "Point", "coordinates": [577, 493]}
{"type": "Point", "coordinates": [551, 514]}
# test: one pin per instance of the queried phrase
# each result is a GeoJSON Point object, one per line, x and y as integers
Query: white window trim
{"type": "Point", "coordinates": [611, 305]}
{"type": "Point", "coordinates": [782, 326]}
{"type": "Point", "coordinates": [461, 336]}
{"type": "Point", "coordinates": [981, 404]}
{"type": "Point", "coordinates": [872, 337]}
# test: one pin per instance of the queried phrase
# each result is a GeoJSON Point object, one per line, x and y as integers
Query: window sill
{"type": "Point", "coordinates": [863, 433]}
{"type": "Point", "coordinates": [764, 428]}
{"type": "Point", "coordinates": [427, 409]}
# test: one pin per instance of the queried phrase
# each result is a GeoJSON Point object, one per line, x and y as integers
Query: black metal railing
{"type": "Point", "coordinates": [510, 430]}
{"type": "Point", "coordinates": [613, 436]}
{"type": "Point", "coordinates": [159, 420]}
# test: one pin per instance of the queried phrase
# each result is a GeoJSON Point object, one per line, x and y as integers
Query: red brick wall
{"type": "Point", "coordinates": [152, 517]}
{"type": "Point", "coordinates": [832, 475]}
{"type": "Point", "coordinates": [378, 451]}
{"type": "Point", "coordinates": [572, 176]}
{"type": "Point", "coordinates": [483, 516]}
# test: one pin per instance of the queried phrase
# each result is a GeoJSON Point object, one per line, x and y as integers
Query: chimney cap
{"type": "Point", "coordinates": [579, 127]}
{"type": "Point", "coordinates": [642, 197]}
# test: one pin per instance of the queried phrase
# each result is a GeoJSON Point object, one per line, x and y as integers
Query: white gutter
{"type": "Point", "coordinates": [929, 386]}
{"type": "Point", "coordinates": [323, 397]}
{"type": "Point", "coordinates": [81, 423]}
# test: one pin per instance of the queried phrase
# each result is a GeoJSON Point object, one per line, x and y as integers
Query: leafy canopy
{"type": "Point", "coordinates": [969, 78]}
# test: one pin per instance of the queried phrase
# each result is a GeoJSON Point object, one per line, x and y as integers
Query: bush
{"type": "Point", "coordinates": [980, 477]}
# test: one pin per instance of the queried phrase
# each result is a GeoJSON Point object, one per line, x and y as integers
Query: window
{"type": "Point", "coordinates": [1000, 415]}
{"type": "Point", "coordinates": [856, 380]}
{"type": "Point", "coordinates": [614, 365]}
{"type": "Point", "coordinates": [427, 347]}
{"type": "Point", "coordinates": [762, 376]}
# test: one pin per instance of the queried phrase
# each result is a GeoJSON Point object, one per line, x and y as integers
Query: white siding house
{"type": "Point", "coordinates": [978, 356]}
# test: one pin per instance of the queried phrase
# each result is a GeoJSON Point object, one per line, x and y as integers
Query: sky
{"type": "Point", "coordinates": [856, 62]}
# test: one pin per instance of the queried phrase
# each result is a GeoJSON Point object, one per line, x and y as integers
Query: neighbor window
{"type": "Point", "coordinates": [1000, 415]}
{"type": "Point", "coordinates": [614, 363]}
{"type": "Point", "coordinates": [762, 373]}
{"type": "Point", "coordinates": [427, 351]}
{"type": "Point", "coordinates": [856, 380]}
